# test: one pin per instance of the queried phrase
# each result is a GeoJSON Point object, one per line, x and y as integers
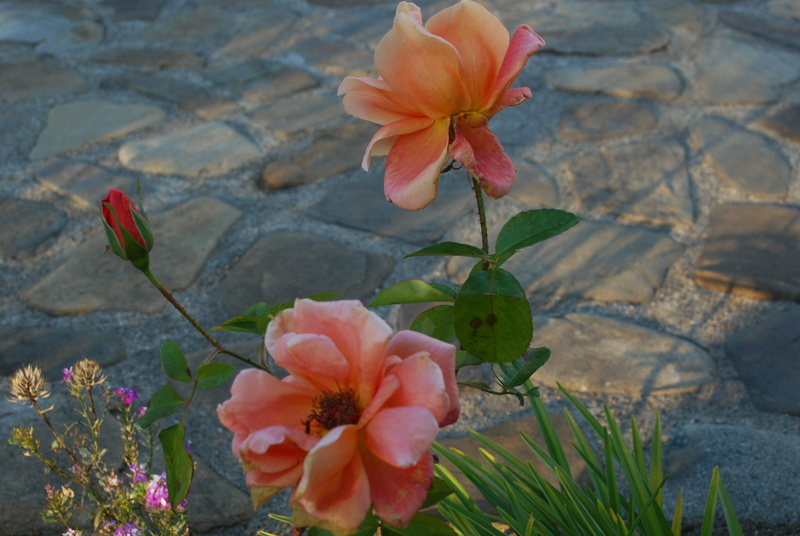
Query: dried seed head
{"type": "Point", "coordinates": [28, 385]}
{"type": "Point", "coordinates": [87, 373]}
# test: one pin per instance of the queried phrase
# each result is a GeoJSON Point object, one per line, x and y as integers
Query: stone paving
{"type": "Point", "coordinates": [671, 126]}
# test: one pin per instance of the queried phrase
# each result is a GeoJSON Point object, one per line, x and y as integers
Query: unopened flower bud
{"type": "Point", "coordinates": [128, 231]}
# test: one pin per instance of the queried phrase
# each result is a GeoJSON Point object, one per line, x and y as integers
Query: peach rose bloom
{"type": "Point", "coordinates": [439, 86]}
{"type": "Point", "coordinates": [351, 425]}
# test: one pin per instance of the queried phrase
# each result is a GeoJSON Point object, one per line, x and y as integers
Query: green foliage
{"type": "Point", "coordinates": [164, 402]}
{"type": "Point", "coordinates": [413, 291]}
{"type": "Point", "coordinates": [211, 375]}
{"type": "Point", "coordinates": [256, 319]}
{"type": "Point", "coordinates": [174, 362]}
{"type": "Point", "coordinates": [531, 505]}
{"type": "Point", "coordinates": [178, 463]}
{"type": "Point", "coordinates": [437, 322]}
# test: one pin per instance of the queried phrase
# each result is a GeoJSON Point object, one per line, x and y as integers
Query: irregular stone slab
{"type": "Point", "coordinates": [757, 492]}
{"type": "Point", "coordinates": [594, 261]}
{"type": "Point", "coordinates": [677, 14]}
{"type": "Point", "coordinates": [785, 122]}
{"type": "Point", "coordinates": [157, 85]}
{"type": "Point", "coordinates": [767, 356]}
{"type": "Point", "coordinates": [364, 206]}
{"type": "Point", "coordinates": [273, 29]}
{"type": "Point", "coordinates": [784, 33]}
{"type": "Point", "coordinates": [599, 120]}
{"type": "Point", "coordinates": [140, 10]}
{"type": "Point", "coordinates": [330, 153]}
{"type": "Point", "coordinates": [534, 186]}
{"type": "Point", "coordinates": [209, 149]}
{"type": "Point", "coordinates": [211, 107]}
{"type": "Point", "coordinates": [743, 159]}
{"type": "Point", "coordinates": [71, 125]}
{"type": "Point", "coordinates": [296, 114]}
{"type": "Point", "coordinates": [18, 132]}
{"type": "Point", "coordinates": [286, 265]}
{"type": "Point", "coordinates": [26, 227]}
{"type": "Point", "coordinates": [341, 3]}
{"type": "Point", "coordinates": [189, 28]}
{"type": "Point", "coordinates": [51, 28]}
{"type": "Point", "coordinates": [607, 40]}
{"type": "Point", "coordinates": [336, 57]}
{"type": "Point", "coordinates": [28, 80]}
{"type": "Point", "coordinates": [604, 355]}
{"type": "Point", "coordinates": [645, 181]}
{"type": "Point", "coordinates": [636, 81]}
{"type": "Point", "coordinates": [365, 26]}
{"type": "Point", "coordinates": [785, 8]}
{"type": "Point", "coordinates": [262, 82]}
{"type": "Point", "coordinates": [571, 15]}
{"type": "Point", "coordinates": [150, 57]}
{"type": "Point", "coordinates": [214, 502]}
{"type": "Point", "coordinates": [91, 281]}
{"type": "Point", "coordinates": [83, 184]}
{"type": "Point", "coordinates": [507, 435]}
{"type": "Point", "coordinates": [55, 349]}
{"type": "Point", "coordinates": [735, 71]}
{"type": "Point", "coordinates": [752, 250]}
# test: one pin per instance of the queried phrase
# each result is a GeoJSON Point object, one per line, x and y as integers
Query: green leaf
{"type": "Point", "coordinates": [368, 527]}
{"type": "Point", "coordinates": [174, 362]}
{"type": "Point", "coordinates": [240, 324]}
{"type": "Point", "coordinates": [163, 403]}
{"type": "Point", "coordinates": [177, 463]}
{"type": "Point", "coordinates": [437, 322]}
{"type": "Point", "coordinates": [413, 291]}
{"type": "Point", "coordinates": [520, 370]}
{"type": "Point", "coordinates": [492, 316]}
{"type": "Point", "coordinates": [532, 226]}
{"type": "Point", "coordinates": [465, 359]}
{"type": "Point", "coordinates": [456, 249]}
{"type": "Point", "coordinates": [421, 524]}
{"type": "Point", "coordinates": [213, 374]}
{"type": "Point", "coordinates": [439, 490]}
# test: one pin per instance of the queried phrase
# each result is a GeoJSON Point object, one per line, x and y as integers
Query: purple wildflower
{"type": "Point", "coordinates": [128, 529]}
{"type": "Point", "coordinates": [157, 496]}
{"type": "Point", "coordinates": [126, 394]}
{"type": "Point", "coordinates": [138, 472]}
{"type": "Point", "coordinates": [141, 411]}
{"type": "Point", "coordinates": [67, 377]}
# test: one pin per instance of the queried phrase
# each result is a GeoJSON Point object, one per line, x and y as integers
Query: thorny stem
{"type": "Point", "coordinates": [214, 342]}
{"type": "Point", "coordinates": [476, 187]}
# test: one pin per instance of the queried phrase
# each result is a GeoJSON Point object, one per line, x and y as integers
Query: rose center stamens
{"type": "Point", "coordinates": [330, 410]}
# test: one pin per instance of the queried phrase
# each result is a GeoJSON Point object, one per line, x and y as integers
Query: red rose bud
{"type": "Point", "coordinates": [127, 229]}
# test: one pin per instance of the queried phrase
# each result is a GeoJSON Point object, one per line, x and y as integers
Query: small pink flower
{"type": "Point", "coordinates": [351, 425]}
{"type": "Point", "coordinates": [439, 86]}
{"type": "Point", "coordinates": [126, 394]}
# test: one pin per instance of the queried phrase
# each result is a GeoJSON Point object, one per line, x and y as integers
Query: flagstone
{"type": "Point", "coordinates": [84, 184]}
{"type": "Point", "coordinates": [27, 226]}
{"type": "Point", "coordinates": [634, 81]}
{"type": "Point", "coordinates": [785, 33]}
{"type": "Point", "coordinates": [54, 349]}
{"type": "Point", "coordinates": [125, 10]}
{"type": "Point", "coordinates": [209, 149]}
{"type": "Point", "coordinates": [303, 111]}
{"type": "Point", "coordinates": [260, 81]}
{"type": "Point", "coordinates": [29, 80]}
{"type": "Point", "coordinates": [285, 265]}
{"type": "Point", "coordinates": [767, 356]}
{"type": "Point", "coordinates": [270, 30]}
{"type": "Point", "coordinates": [71, 125]}
{"type": "Point", "coordinates": [189, 28]}
{"type": "Point", "coordinates": [158, 85]}
{"type": "Point", "coordinates": [571, 15]}
{"type": "Point", "coordinates": [534, 186]}
{"type": "Point", "coordinates": [18, 132]}
{"type": "Point", "coordinates": [785, 122]}
{"type": "Point", "coordinates": [605, 355]}
{"type": "Point", "coordinates": [599, 120]}
{"type": "Point", "coordinates": [364, 206]}
{"type": "Point", "coordinates": [150, 57]}
{"type": "Point", "coordinates": [593, 261]}
{"type": "Point", "coordinates": [734, 71]}
{"type": "Point", "coordinates": [677, 14]}
{"type": "Point", "coordinates": [214, 502]}
{"type": "Point", "coordinates": [331, 153]}
{"type": "Point", "coordinates": [607, 40]}
{"type": "Point", "coordinates": [752, 250]}
{"type": "Point", "coordinates": [788, 9]}
{"type": "Point", "coordinates": [743, 159]}
{"type": "Point", "coordinates": [89, 280]}
{"type": "Point", "coordinates": [336, 58]}
{"type": "Point", "coordinates": [51, 28]}
{"type": "Point", "coordinates": [646, 181]}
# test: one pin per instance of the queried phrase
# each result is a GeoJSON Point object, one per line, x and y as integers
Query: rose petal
{"type": "Point", "coordinates": [371, 99]}
{"type": "Point", "coordinates": [511, 98]}
{"type": "Point", "coordinates": [382, 141]}
{"type": "Point", "coordinates": [480, 152]}
{"type": "Point", "coordinates": [399, 436]}
{"type": "Point", "coordinates": [398, 493]}
{"type": "Point", "coordinates": [414, 164]}
{"type": "Point", "coordinates": [314, 359]}
{"type": "Point", "coordinates": [524, 44]}
{"type": "Point", "coordinates": [421, 385]}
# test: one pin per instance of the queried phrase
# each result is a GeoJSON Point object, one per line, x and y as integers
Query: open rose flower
{"type": "Point", "coordinates": [127, 229]}
{"type": "Point", "coordinates": [439, 86]}
{"type": "Point", "coordinates": [351, 425]}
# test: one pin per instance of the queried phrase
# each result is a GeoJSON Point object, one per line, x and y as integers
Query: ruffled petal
{"type": "Point", "coordinates": [524, 44]}
{"type": "Point", "coordinates": [373, 100]}
{"type": "Point", "coordinates": [480, 152]}
{"type": "Point", "coordinates": [398, 493]}
{"type": "Point", "coordinates": [414, 164]}
{"type": "Point", "coordinates": [334, 487]}
{"type": "Point", "coordinates": [313, 359]}
{"type": "Point", "coordinates": [399, 436]}
{"type": "Point", "coordinates": [421, 67]}
{"type": "Point", "coordinates": [389, 385]}
{"type": "Point", "coordinates": [481, 52]}
{"type": "Point", "coordinates": [421, 385]}
{"type": "Point", "coordinates": [383, 140]}
{"type": "Point", "coordinates": [511, 98]}
{"type": "Point", "coordinates": [407, 343]}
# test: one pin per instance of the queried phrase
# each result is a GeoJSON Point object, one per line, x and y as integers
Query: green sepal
{"type": "Point", "coordinates": [113, 241]}
{"type": "Point", "coordinates": [144, 229]}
